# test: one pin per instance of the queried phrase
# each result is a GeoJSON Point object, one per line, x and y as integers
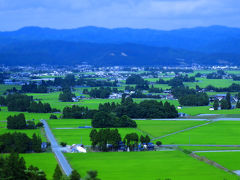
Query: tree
{"type": "Point", "coordinates": [33, 173]}
{"type": "Point", "coordinates": [238, 104]}
{"type": "Point", "coordinates": [75, 175]}
{"type": "Point", "coordinates": [142, 139]}
{"type": "Point", "coordinates": [91, 175]}
{"type": "Point", "coordinates": [224, 104]}
{"type": "Point", "coordinates": [57, 173]}
{"type": "Point", "coordinates": [16, 122]}
{"type": "Point", "coordinates": [216, 104]}
{"type": "Point", "coordinates": [228, 98]}
{"type": "Point", "coordinates": [36, 143]}
{"type": "Point", "coordinates": [159, 143]}
{"type": "Point", "coordinates": [147, 139]}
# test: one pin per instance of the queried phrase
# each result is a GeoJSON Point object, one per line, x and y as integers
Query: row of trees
{"type": "Point", "coordinates": [39, 107]}
{"type": "Point", "coordinates": [105, 120]}
{"type": "Point", "coordinates": [70, 81]}
{"type": "Point", "coordinates": [232, 88]}
{"type": "Point", "coordinates": [32, 87]}
{"type": "Point", "coordinates": [77, 112]}
{"type": "Point", "coordinates": [145, 109]}
{"type": "Point", "coordinates": [110, 140]}
{"type": "Point", "coordinates": [23, 103]}
{"type": "Point", "coordinates": [19, 122]}
{"type": "Point", "coordinates": [198, 99]}
{"type": "Point", "coordinates": [20, 143]}
{"type": "Point", "coordinates": [177, 81]}
{"type": "Point", "coordinates": [103, 137]}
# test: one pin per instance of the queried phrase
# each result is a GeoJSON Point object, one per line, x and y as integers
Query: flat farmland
{"type": "Point", "coordinates": [145, 165]}
{"type": "Point", "coordinates": [159, 128]}
{"type": "Point", "coordinates": [205, 110]}
{"type": "Point", "coordinates": [208, 148]}
{"type": "Point", "coordinates": [203, 82]}
{"type": "Point", "coordinates": [44, 161]}
{"type": "Point", "coordinates": [217, 133]}
{"type": "Point", "coordinates": [28, 116]}
{"type": "Point", "coordinates": [230, 160]}
{"type": "Point", "coordinates": [68, 123]}
{"type": "Point", "coordinates": [78, 136]}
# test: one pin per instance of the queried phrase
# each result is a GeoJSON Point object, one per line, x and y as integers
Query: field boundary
{"type": "Point", "coordinates": [187, 129]}
{"type": "Point", "coordinates": [210, 162]}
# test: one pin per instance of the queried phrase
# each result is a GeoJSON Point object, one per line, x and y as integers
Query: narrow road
{"type": "Point", "coordinates": [56, 149]}
{"type": "Point", "coordinates": [187, 129]}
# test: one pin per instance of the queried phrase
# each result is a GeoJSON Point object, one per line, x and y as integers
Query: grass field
{"type": "Point", "coordinates": [44, 161]}
{"type": "Point", "coordinates": [160, 128]}
{"type": "Point", "coordinates": [217, 133]}
{"type": "Point", "coordinates": [230, 160]}
{"type": "Point", "coordinates": [81, 136]}
{"type": "Point", "coordinates": [206, 148]}
{"type": "Point", "coordinates": [4, 87]}
{"type": "Point", "coordinates": [146, 165]}
{"type": "Point", "coordinates": [28, 116]}
{"type": "Point", "coordinates": [203, 82]}
{"type": "Point", "coordinates": [68, 123]}
{"type": "Point", "coordinates": [205, 110]}
{"type": "Point", "coordinates": [29, 132]}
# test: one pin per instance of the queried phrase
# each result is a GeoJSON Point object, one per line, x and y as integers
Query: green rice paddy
{"type": "Point", "coordinates": [146, 165]}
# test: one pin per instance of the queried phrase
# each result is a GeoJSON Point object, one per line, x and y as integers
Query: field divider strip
{"type": "Point", "coordinates": [210, 162]}
{"type": "Point", "coordinates": [187, 129]}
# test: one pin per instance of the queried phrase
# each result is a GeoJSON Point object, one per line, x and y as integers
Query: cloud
{"type": "Point", "coordinates": [160, 14]}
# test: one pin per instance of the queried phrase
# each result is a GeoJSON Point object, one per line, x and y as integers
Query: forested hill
{"type": "Point", "coordinates": [121, 46]}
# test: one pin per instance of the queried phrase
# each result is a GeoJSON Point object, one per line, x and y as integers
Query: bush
{"type": "Point", "coordinates": [63, 144]}
{"type": "Point", "coordinates": [159, 143]}
{"type": "Point", "coordinates": [52, 116]}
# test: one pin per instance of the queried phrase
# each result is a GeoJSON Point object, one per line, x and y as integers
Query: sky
{"type": "Point", "coordinates": [154, 14]}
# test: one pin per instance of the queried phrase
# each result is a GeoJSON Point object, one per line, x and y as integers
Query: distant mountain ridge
{"type": "Point", "coordinates": [126, 46]}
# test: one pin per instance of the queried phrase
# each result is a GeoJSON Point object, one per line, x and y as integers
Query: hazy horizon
{"type": "Point", "coordinates": [138, 14]}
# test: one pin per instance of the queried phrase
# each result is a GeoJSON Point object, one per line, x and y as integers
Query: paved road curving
{"type": "Point", "coordinates": [56, 149]}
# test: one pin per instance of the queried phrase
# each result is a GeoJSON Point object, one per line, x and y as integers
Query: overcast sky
{"type": "Point", "coordinates": [155, 14]}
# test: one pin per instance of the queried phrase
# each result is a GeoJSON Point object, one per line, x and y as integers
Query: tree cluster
{"type": "Point", "coordinates": [103, 137]}
{"type": "Point", "coordinates": [178, 92]}
{"type": "Point", "coordinates": [13, 167]}
{"type": "Point", "coordinates": [39, 107]}
{"type": "Point", "coordinates": [199, 99]}
{"type": "Point", "coordinates": [17, 102]}
{"type": "Point", "coordinates": [20, 143]}
{"type": "Point", "coordinates": [66, 95]}
{"type": "Point", "coordinates": [100, 92]}
{"type": "Point", "coordinates": [109, 120]}
{"type": "Point", "coordinates": [146, 109]}
{"type": "Point", "coordinates": [77, 112]}
{"type": "Point", "coordinates": [135, 79]}
{"type": "Point", "coordinates": [232, 88]}
{"type": "Point", "coordinates": [32, 87]}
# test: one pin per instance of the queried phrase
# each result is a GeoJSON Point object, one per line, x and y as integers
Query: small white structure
{"type": "Point", "coordinates": [179, 107]}
{"type": "Point", "coordinates": [211, 109]}
{"type": "Point", "coordinates": [81, 149]}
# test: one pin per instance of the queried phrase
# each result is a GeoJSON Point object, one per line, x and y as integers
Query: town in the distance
{"type": "Point", "coordinates": [119, 122]}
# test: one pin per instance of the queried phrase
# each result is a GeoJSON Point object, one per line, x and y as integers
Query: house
{"type": "Point", "coordinates": [220, 96]}
{"type": "Point", "coordinates": [44, 146]}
